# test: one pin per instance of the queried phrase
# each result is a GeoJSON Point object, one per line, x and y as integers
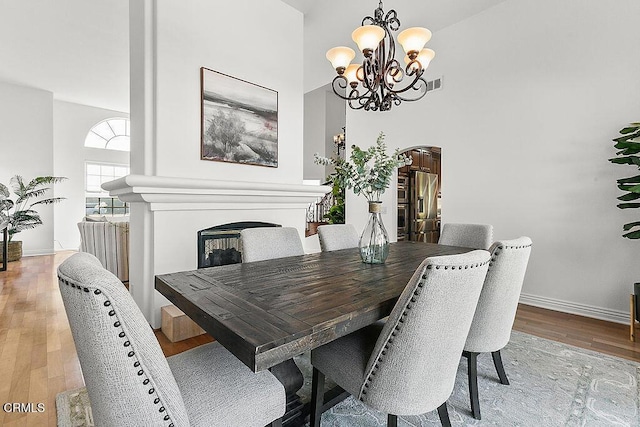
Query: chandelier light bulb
{"type": "Point", "coordinates": [340, 57]}
{"type": "Point", "coordinates": [367, 38]}
{"type": "Point", "coordinates": [352, 74]}
{"type": "Point", "coordinates": [413, 40]}
{"type": "Point", "coordinates": [424, 58]}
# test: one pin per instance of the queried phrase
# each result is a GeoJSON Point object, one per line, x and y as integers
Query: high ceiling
{"type": "Point", "coordinates": [439, 13]}
{"type": "Point", "coordinates": [303, 6]}
{"type": "Point", "coordinates": [329, 23]}
{"type": "Point", "coordinates": [79, 49]}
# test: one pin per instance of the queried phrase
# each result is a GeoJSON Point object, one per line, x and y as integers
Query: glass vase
{"type": "Point", "coordinates": [374, 242]}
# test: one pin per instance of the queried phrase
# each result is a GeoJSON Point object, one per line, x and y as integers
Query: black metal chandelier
{"type": "Point", "coordinates": [381, 82]}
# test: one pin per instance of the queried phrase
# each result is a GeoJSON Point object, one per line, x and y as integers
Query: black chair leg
{"type": "Point", "coordinates": [472, 370]}
{"type": "Point", "coordinates": [276, 423]}
{"type": "Point", "coordinates": [443, 413]}
{"type": "Point", "coordinates": [317, 398]}
{"type": "Point", "coordinates": [392, 420]}
{"type": "Point", "coordinates": [497, 361]}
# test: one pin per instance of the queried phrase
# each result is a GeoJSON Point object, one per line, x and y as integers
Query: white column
{"type": "Point", "coordinates": [143, 72]}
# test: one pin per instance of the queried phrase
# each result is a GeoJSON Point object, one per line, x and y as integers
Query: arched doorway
{"type": "Point", "coordinates": [419, 195]}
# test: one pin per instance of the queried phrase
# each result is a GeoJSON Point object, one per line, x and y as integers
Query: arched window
{"type": "Point", "coordinates": [110, 134]}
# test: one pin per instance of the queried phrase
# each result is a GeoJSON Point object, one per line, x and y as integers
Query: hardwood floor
{"type": "Point", "coordinates": [37, 354]}
{"type": "Point", "coordinates": [38, 357]}
{"type": "Point", "coordinates": [593, 334]}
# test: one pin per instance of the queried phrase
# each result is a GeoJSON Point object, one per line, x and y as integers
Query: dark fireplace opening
{"type": "Point", "coordinates": [221, 245]}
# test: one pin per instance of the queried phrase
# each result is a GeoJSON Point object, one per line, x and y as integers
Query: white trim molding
{"type": "Point", "coordinates": [575, 308]}
{"type": "Point", "coordinates": [38, 252]}
{"type": "Point", "coordinates": [167, 193]}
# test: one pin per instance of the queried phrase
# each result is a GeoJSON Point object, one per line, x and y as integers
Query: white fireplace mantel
{"type": "Point", "coordinates": [179, 194]}
{"type": "Point", "coordinates": [158, 203]}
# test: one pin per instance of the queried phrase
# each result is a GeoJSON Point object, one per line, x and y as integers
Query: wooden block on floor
{"type": "Point", "coordinates": [177, 326]}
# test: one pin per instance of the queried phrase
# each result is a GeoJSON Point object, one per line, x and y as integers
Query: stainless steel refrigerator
{"type": "Point", "coordinates": [424, 224]}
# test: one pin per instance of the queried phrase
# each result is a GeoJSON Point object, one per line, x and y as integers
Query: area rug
{"type": "Point", "coordinates": [552, 384]}
{"type": "Point", "coordinates": [74, 409]}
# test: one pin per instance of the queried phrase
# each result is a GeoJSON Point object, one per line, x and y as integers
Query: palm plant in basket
{"type": "Point", "coordinates": [628, 145]}
{"type": "Point", "coordinates": [20, 212]}
{"type": "Point", "coordinates": [368, 173]}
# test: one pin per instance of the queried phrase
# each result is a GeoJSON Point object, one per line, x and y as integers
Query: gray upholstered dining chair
{"type": "Point", "coordinates": [477, 236]}
{"type": "Point", "coordinates": [265, 243]}
{"type": "Point", "coordinates": [262, 243]}
{"type": "Point", "coordinates": [491, 327]}
{"type": "Point", "coordinates": [131, 383]}
{"type": "Point", "coordinates": [407, 365]}
{"type": "Point", "coordinates": [334, 237]}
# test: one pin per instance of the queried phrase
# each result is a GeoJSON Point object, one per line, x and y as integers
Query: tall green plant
{"type": "Point", "coordinates": [21, 213]}
{"type": "Point", "coordinates": [629, 145]}
{"type": "Point", "coordinates": [335, 215]}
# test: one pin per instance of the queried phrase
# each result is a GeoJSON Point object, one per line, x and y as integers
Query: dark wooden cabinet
{"type": "Point", "coordinates": [423, 159]}
{"type": "Point", "coordinates": [416, 160]}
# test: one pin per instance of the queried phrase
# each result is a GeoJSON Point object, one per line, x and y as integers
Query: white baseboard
{"type": "Point", "coordinates": [575, 308]}
{"type": "Point", "coordinates": [38, 252]}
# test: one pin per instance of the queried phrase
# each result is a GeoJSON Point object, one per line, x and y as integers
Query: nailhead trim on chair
{"type": "Point", "coordinates": [517, 247]}
{"type": "Point", "coordinates": [127, 343]}
{"type": "Point", "coordinates": [379, 358]}
{"type": "Point", "coordinates": [499, 248]}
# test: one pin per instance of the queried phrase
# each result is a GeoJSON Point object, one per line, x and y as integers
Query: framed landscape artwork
{"type": "Point", "coordinates": [239, 120]}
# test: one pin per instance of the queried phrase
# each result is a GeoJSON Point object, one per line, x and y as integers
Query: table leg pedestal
{"type": "Point", "coordinates": [297, 412]}
{"type": "Point", "coordinates": [292, 379]}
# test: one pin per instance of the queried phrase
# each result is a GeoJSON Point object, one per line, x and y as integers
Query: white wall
{"type": "Point", "coordinates": [54, 133]}
{"type": "Point", "coordinates": [259, 42]}
{"type": "Point", "coordinates": [533, 93]}
{"type": "Point", "coordinates": [26, 149]}
{"type": "Point", "coordinates": [71, 123]}
{"type": "Point", "coordinates": [324, 117]}
{"type": "Point", "coordinates": [314, 132]}
{"type": "Point", "coordinates": [336, 120]}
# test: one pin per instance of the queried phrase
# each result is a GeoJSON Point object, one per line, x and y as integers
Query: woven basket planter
{"type": "Point", "coordinates": [14, 253]}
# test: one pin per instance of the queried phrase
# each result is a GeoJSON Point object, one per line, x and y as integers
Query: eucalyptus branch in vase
{"type": "Point", "coordinates": [368, 173]}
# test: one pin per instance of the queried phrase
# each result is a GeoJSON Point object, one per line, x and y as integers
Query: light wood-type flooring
{"type": "Point", "coordinates": [38, 357]}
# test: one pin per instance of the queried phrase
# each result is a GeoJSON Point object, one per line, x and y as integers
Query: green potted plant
{"type": "Point", "coordinates": [335, 215]}
{"type": "Point", "coordinates": [20, 212]}
{"type": "Point", "coordinates": [368, 172]}
{"type": "Point", "coordinates": [628, 145]}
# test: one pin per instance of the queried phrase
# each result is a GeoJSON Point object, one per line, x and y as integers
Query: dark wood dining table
{"type": "Point", "coordinates": [267, 312]}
